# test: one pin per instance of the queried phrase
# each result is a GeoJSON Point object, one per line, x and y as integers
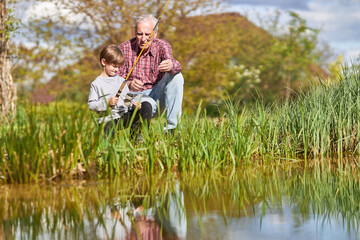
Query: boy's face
{"type": "Point", "coordinates": [110, 69]}
{"type": "Point", "coordinates": [142, 32]}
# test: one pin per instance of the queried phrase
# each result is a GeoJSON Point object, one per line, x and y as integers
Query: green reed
{"type": "Point", "coordinates": [323, 122]}
{"type": "Point", "coordinates": [47, 142]}
{"type": "Point", "coordinates": [63, 140]}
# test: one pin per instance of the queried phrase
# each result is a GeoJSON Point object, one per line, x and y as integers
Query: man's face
{"type": "Point", "coordinates": [142, 32]}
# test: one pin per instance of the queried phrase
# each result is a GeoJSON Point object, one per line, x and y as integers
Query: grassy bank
{"type": "Point", "coordinates": [62, 140]}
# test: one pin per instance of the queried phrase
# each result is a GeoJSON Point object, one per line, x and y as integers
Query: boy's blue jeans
{"type": "Point", "coordinates": [169, 93]}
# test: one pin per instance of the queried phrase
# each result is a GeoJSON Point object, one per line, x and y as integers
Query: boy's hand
{"type": "Point", "coordinates": [137, 104]}
{"type": "Point", "coordinates": [113, 101]}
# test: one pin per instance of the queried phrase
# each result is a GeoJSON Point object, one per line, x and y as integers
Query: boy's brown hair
{"type": "Point", "coordinates": [112, 55]}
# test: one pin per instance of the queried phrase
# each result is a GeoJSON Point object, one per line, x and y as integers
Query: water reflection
{"type": "Point", "coordinates": [247, 204]}
{"type": "Point", "coordinates": [158, 217]}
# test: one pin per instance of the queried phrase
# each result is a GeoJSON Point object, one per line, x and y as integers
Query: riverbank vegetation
{"type": "Point", "coordinates": [61, 140]}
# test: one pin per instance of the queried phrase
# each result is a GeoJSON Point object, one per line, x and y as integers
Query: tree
{"type": "Point", "coordinates": [7, 88]}
{"type": "Point", "coordinates": [295, 51]}
{"type": "Point", "coordinates": [75, 31]}
{"type": "Point", "coordinates": [209, 47]}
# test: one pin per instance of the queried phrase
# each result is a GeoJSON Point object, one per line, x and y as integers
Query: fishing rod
{"type": "Point", "coordinates": [157, 23]}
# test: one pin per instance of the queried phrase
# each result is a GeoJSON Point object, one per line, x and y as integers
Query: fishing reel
{"type": "Point", "coordinates": [128, 99]}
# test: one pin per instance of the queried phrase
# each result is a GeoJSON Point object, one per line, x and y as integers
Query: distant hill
{"type": "Point", "coordinates": [206, 44]}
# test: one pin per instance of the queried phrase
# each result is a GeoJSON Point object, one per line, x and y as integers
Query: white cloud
{"type": "Point", "coordinates": [40, 10]}
{"type": "Point", "coordinates": [284, 4]}
{"type": "Point", "coordinates": [352, 55]}
{"type": "Point", "coordinates": [339, 24]}
{"type": "Point", "coordinates": [338, 20]}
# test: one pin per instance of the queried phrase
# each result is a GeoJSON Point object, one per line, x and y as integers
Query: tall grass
{"type": "Point", "coordinates": [323, 122]}
{"type": "Point", "coordinates": [44, 142]}
{"type": "Point", "coordinates": [63, 140]}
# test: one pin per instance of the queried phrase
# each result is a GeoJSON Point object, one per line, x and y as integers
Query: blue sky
{"type": "Point", "coordinates": [338, 20]}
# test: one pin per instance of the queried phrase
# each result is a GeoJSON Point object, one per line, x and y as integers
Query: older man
{"type": "Point", "coordinates": [156, 74]}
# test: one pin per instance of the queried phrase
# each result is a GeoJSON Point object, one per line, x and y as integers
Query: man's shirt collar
{"type": "Point", "coordinates": [154, 48]}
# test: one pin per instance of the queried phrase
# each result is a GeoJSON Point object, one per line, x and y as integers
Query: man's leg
{"type": "Point", "coordinates": [169, 92]}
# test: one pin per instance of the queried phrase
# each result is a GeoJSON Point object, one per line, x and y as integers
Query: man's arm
{"type": "Point", "coordinates": [168, 63]}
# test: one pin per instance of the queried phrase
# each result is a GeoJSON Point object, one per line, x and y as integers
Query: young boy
{"type": "Point", "coordinates": [116, 111]}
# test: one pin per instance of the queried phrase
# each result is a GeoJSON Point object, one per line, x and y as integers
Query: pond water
{"type": "Point", "coordinates": [246, 204]}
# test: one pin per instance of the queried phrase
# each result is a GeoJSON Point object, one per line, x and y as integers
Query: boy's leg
{"type": "Point", "coordinates": [110, 127]}
{"type": "Point", "coordinates": [145, 113]}
{"type": "Point", "coordinates": [144, 97]}
{"type": "Point", "coordinates": [126, 119]}
{"type": "Point", "coordinates": [169, 92]}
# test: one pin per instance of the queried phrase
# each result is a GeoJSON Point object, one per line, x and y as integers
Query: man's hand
{"type": "Point", "coordinates": [112, 101]}
{"type": "Point", "coordinates": [136, 85]}
{"type": "Point", "coordinates": [165, 66]}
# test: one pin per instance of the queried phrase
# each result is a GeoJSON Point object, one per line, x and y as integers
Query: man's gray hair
{"type": "Point", "coordinates": [144, 18]}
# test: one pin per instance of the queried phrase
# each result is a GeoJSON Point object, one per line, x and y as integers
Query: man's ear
{"type": "Point", "coordinates": [155, 34]}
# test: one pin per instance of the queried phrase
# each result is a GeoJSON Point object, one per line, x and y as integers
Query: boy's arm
{"type": "Point", "coordinates": [120, 101]}
{"type": "Point", "coordinates": [97, 101]}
